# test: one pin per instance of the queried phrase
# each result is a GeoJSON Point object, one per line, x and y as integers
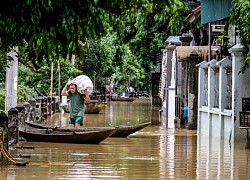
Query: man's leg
{"type": "Point", "coordinates": [72, 121]}
{"type": "Point", "coordinates": [79, 121]}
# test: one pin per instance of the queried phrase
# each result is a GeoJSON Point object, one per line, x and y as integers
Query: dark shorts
{"type": "Point", "coordinates": [77, 120]}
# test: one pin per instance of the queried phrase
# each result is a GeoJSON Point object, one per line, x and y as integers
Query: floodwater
{"type": "Point", "coordinates": [154, 152]}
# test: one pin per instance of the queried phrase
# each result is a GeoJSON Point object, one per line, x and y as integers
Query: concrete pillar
{"type": "Point", "coordinates": [192, 93]}
{"type": "Point", "coordinates": [224, 66]}
{"type": "Point", "coordinates": [11, 81]}
{"type": "Point", "coordinates": [240, 89]}
{"type": "Point", "coordinates": [172, 93]}
{"type": "Point", "coordinates": [211, 83]}
{"type": "Point", "coordinates": [201, 79]}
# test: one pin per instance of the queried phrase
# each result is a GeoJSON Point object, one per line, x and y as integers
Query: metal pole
{"type": "Point", "coordinates": [209, 42]}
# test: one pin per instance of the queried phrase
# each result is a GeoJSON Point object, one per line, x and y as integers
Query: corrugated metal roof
{"type": "Point", "coordinates": [173, 40]}
{"type": "Point", "coordinates": [214, 10]}
{"type": "Point", "coordinates": [193, 3]}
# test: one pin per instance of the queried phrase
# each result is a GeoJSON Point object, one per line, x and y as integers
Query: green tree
{"type": "Point", "coordinates": [44, 26]}
{"type": "Point", "coordinates": [130, 71]}
{"type": "Point", "coordinates": [98, 56]}
{"type": "Point", "coordinates": [41, 79]}
{"type": "Point", "coordinates": [95, 31]}
{"type": "Point", "coordinates": [147, 32]}
{"type": "Point", "coordinates": [240, 17]}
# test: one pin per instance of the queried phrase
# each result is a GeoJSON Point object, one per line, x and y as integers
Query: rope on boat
{"type": "Point", "coordinates": [8, 155]}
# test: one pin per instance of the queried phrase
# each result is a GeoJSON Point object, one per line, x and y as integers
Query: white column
{"type": "Point", "coordinates": [201, 84]}
{"type": "Point", "coordinates": [11, 81]}
{"type": "Point", "coordinates": [163, 76]}
{"type": "Point", "coordinates": [171, 101]}
{"type": "Point", "coordinates": [223, 65]}
{"type": "Point", "coordinates": [240, 89]}
{"type": "Point", "coordinates": [211, 83]}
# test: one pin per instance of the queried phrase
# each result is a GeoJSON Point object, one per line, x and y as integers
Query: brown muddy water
{"type": "Point", "coordinates": [154, 152]}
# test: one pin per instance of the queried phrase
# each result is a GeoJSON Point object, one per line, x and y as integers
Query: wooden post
{"type": "Point", "coordinates": [94, 80]}
{"type": "Point", "coordinates": [51, 80]}
{"type": "Point", "coordinates": [59, 81]}
{"type": "Point", "coordinates": [51, 89]}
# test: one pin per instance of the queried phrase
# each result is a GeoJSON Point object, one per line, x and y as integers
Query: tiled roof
{"type": "Point", "coordinates": [196, 13]}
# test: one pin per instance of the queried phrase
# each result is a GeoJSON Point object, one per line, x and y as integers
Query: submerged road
{"type": "Point", "coordinates": [154, 152]}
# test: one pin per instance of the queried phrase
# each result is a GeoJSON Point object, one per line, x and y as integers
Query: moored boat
{"type": "Point", "coordinates": [121, 131]}
{"type": "Point", "coordinates": [94, 107]}
{"type": "Point", "coordinates": [50, 135]}
{"type": "Point", "coordinates": [122, 98]}
{"type": "Point", "coordinates": [124, 131]}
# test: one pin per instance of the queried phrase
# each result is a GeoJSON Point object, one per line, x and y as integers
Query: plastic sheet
{"type": "Point", "coordinates": [83, 82]}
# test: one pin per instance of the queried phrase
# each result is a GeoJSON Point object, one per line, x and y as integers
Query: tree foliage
{"type": "Point", "coordinates": [50, 26]}
{"type": "Point", "coordinates": [107, 37]}
{"type": "Point", "coordinates": [98, 55]}
{"type": "Point", "coordinates": [240, 17]}
{"type": "Point", "coordinates": [147, 32]}
{"type": "Point", "coordinates": [42, 79]}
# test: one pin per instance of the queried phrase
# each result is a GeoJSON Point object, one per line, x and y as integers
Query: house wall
{"type": "Point", "coordinates": [187, 84]}
{"type": "Point", "coordinates": [155, 89]}
{"type": "Point", "coordinates": [192, 93]}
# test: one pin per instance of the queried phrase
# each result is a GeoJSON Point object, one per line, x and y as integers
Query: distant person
{"type": "Point", "coordinates": [131, 89]}
{"type": "Point", "coordinates": [77, 101]}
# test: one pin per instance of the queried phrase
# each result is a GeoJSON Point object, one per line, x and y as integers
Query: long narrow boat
{"type": "Point", "coordinates": [121, 131]}
{"type": "Point", "coordinates": [121, 98]}
{"type": "Point", "coordinates": [124, 131]}
{"type": "Point", "coordinates": [49, 135]}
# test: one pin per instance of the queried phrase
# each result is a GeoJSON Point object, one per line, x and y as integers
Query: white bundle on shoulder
{"type": "Point", "coordinates": [83, 82]}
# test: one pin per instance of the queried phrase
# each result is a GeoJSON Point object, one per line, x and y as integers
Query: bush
{"type": "Point", "coordinates": [2, 99]}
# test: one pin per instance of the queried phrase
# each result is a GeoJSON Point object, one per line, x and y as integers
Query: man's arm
{"type": "Point", "coordinates": [64, 90]}
{"type": "Point", "coordinates": [87, 98]}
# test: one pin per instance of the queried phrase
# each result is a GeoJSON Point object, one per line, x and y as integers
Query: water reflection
{"type": "Point", "coordinates": [154, 152]}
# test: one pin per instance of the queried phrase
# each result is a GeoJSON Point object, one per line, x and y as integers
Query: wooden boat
{"type": "Point", "coordinates": [94, 107]}
{"type": "Point", "coordinates": [49, 135]}
{"type": "Point", "coordinates": [122, 98]}
{"type": "Point", "coordinates": [121, 131]}
{"type": "Point", "coordinates": [124, 131]}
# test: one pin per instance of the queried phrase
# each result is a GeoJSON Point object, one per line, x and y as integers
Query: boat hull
{"type": "Point", "coordinates": [94, 107]}
{"type": "Point", "coordinates": [49, 135]}
{"type": "Point", "coordinates": [121, 131]}
{"type": "Point", "coordinates": [124, 131]}
{"type": "Point", "coordinates": [127, 99]}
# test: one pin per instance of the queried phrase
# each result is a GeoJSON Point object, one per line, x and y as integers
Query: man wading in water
{"type": "Point", "coordinates": [77, 101]}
